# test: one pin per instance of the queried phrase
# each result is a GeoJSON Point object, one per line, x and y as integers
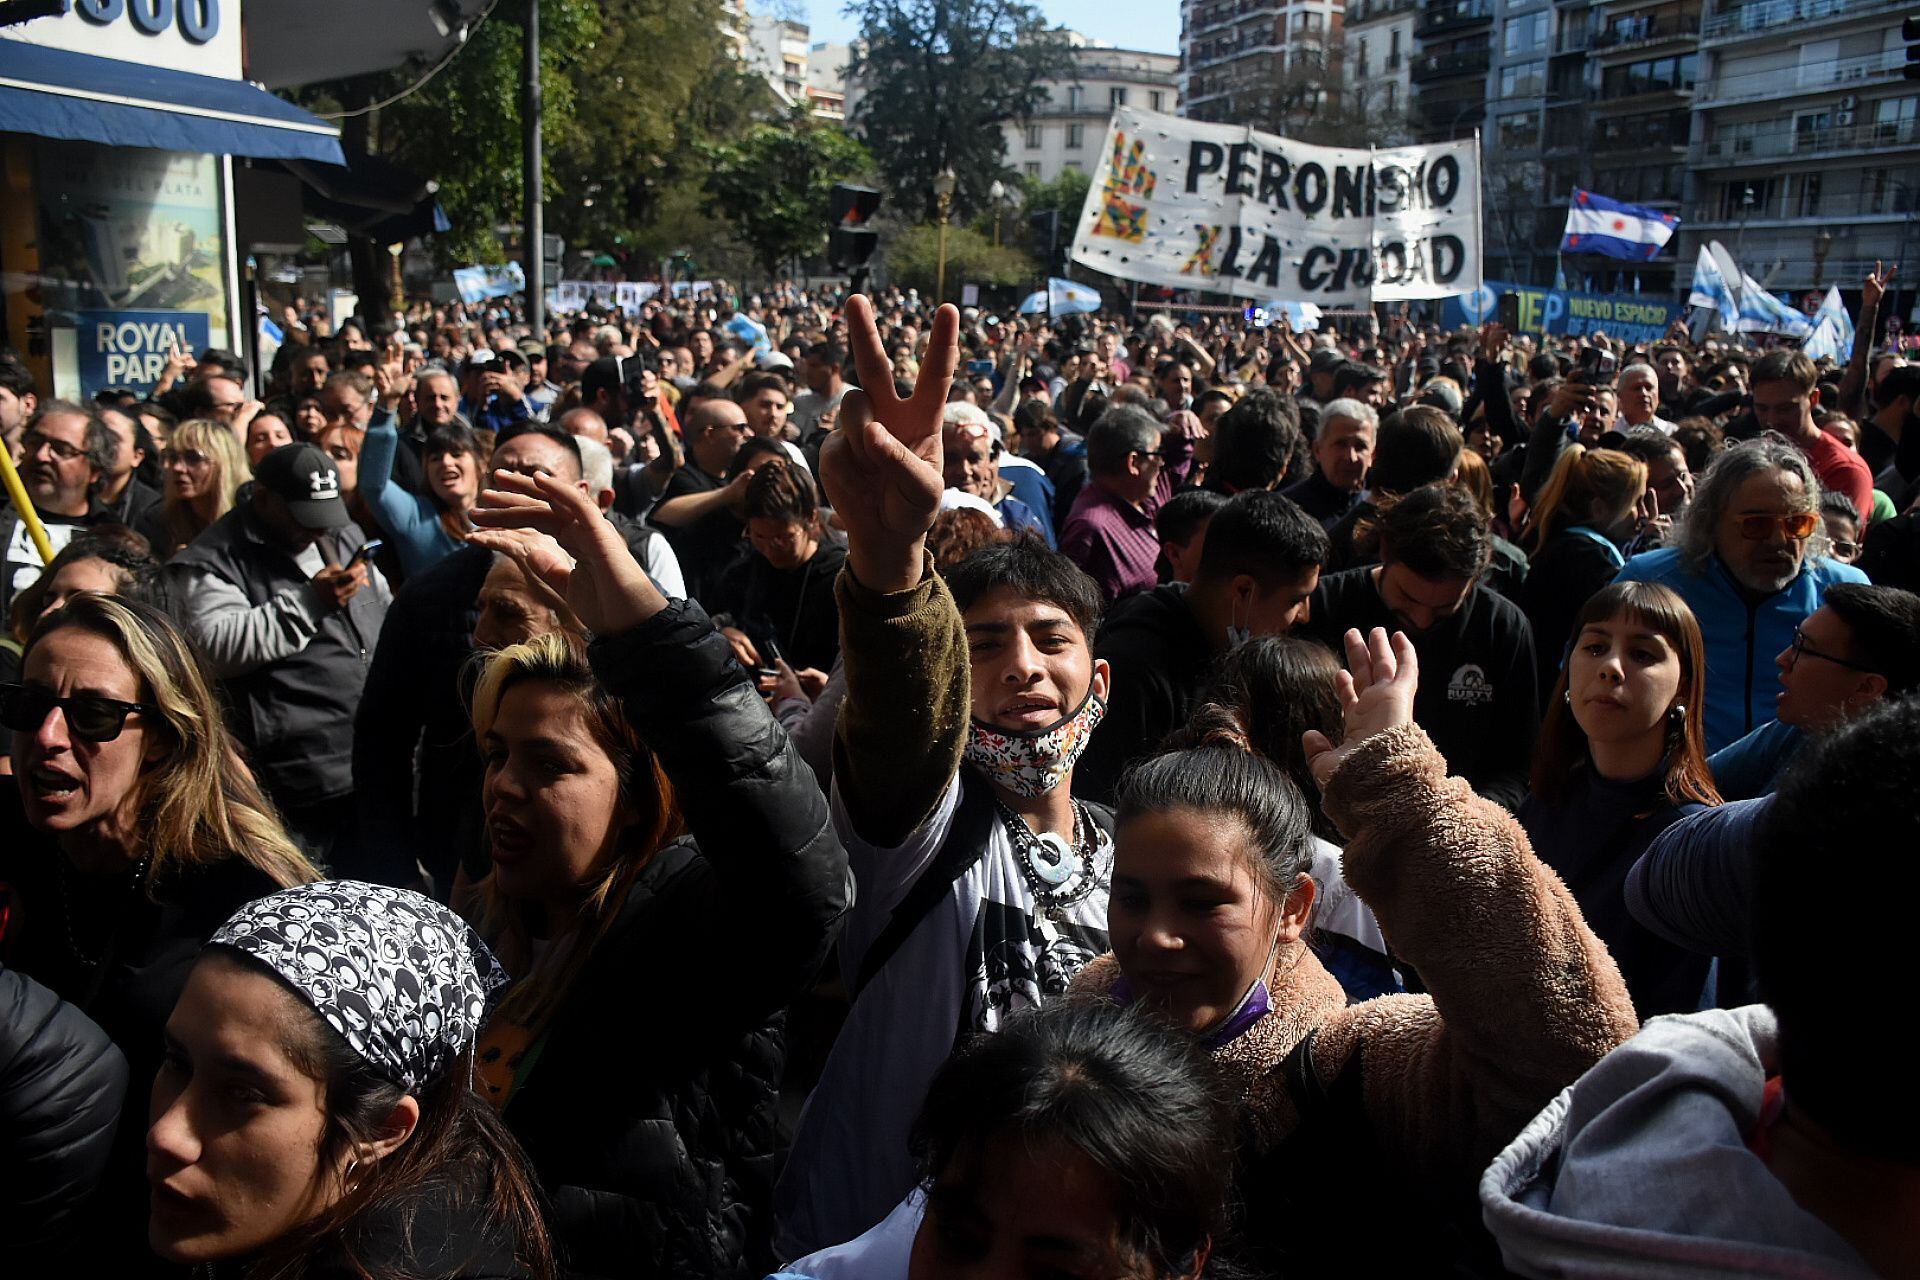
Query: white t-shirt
{"type": "Point", "coordinates": [978, 956]}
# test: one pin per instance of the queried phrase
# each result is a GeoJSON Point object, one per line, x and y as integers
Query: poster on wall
{"type": "Point", "coordinates": [130, 348]}
{"type": "Point", "coordinates": [131, 231]}
{"type": "Point", "coordinates": [1232, 210]}
{"type": "Point", "coordinates": [1625, 316]}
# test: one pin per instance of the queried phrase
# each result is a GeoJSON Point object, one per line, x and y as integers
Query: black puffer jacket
{"type": "Point", "coordinates": [61, 1085]}
{"type": "Point", "coordinates": [649, 1112]}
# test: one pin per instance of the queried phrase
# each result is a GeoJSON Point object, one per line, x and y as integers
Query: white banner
{"type": "Point", "coordinates": [1230, 210]}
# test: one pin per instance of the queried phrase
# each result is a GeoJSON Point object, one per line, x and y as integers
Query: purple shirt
{"type": "Point", "coordinates": [1115, 541]}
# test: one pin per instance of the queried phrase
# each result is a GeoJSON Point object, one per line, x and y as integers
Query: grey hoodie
{"type": "Point", "coordinates": [1641, 1167]}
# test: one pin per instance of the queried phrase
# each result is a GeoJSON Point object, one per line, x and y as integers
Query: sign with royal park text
{"type": "Point", "coordinates": [1232, 210]}
{"type": "Point", "coordinates": [1626, 316]}
{"type": "Point", "coordinates": [130, 348]}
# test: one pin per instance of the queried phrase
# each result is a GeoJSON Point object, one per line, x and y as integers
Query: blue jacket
{"type": "Point", "coordinates": [1742, 638]}
{"type": "Point", "coordinates": [412, 520]}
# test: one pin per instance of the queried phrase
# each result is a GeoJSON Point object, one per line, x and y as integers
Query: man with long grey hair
{"type": "Point", "coordinates": [1749, 556]}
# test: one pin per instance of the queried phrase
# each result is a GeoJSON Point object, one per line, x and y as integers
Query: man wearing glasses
{"type": "Point", "coordinates": [1133, 465]}
{"type": "Point", "coordinates": [63, 451]}
{"type": "Point", "coordinates": [1749, 556]}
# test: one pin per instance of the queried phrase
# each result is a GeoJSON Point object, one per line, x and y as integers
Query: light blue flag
{"type": "Point", "coordinates": [1761, 312]}
{"type": "Point", "coordinates": [1034, 304]}
{"type": "Point", "coordinates": [749, 330]}
{"type": "Point", "coordinates": [1710, 290]}
{"type": "Point", "coordinates": [1067, 298]}
{"type": "Point", "coordinates": [1832, 330]}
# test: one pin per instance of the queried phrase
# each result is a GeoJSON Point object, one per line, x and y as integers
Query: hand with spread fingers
{"type": "Point", "coordinates": [1376, 694]}
{"type": "Point", "coordinates": [604, 586]}
{"type": "Point", "coordinates": [542, 561]}
{"type": "Point", "coordinates": [881, 467]}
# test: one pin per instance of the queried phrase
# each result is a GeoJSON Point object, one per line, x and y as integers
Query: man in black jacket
{"type": "Point", "coordinates": [1259, 566]}
{"type": "Point", "coordinates": [1479, 695]}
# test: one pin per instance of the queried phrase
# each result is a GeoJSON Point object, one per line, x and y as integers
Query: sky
{"type": "Point", "coordinates": [1149, 25]}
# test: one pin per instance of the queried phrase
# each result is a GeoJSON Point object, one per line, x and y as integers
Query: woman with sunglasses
{"type": "Point", "coordinates": [132, 830]}
{"type": "Point", "coordinates": [203, 466]}
{"type": "Point", "coordinates": [1750, 557]}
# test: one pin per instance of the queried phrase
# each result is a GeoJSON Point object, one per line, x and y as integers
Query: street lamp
{"type": "Point", "coordinates": [1822, 244]}
{"type": "Point", "coordinates": [996, 193]}
{"type": "Point", "coordinates": [943, 186]}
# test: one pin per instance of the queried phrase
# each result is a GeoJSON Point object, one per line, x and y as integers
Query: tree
{"type": "Point", "coordinates": [913, 260]}
{"type": "Point", "coordinates": [1305, 100]}
{"type": "Point", "coordinates": [773, 183]}
{"type": "Point", "coordinates": [939, 79]}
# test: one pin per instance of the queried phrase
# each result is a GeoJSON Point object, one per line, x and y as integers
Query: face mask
{"type": "Point", "coordinates": [1033, 764]}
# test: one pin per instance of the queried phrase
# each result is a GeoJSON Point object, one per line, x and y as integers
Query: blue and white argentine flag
{"type": "Point", "coordinates": [1598, 224]}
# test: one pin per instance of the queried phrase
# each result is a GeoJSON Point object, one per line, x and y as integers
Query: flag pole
{"type": "Point", "coordinates": [17, 492]}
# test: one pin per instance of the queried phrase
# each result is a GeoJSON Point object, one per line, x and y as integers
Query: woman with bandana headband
{"type": "Point", "coordinates": [1396, 1100]}
{"type": "Point", "coordinates": [982, 881]}
{"type": "Point", "coordinates": [314, 1115]}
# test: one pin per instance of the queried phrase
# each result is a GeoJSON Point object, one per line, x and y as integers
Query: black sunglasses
{"type": "Point", "coordinates": [24, 708]}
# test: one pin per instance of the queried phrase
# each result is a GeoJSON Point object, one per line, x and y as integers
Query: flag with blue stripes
{"type": "Point", "coordinates": [1603, 225]}
{"type": "Point", "coordinates": [1711, 289]}
{"type": "Point", "coordinates": [1832, 335]}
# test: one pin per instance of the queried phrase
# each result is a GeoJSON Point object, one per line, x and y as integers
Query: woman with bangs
{"type": "Point", "coordinates": [1622, 756]}
{"type": "Point", "coordinates": [425, 527]}
{"type": "Point", "coordinates": [133, 830]}
{"type": "Point", "coordinates": [203, 467]}
{"type": "Point", "coordinates": [663, 883]}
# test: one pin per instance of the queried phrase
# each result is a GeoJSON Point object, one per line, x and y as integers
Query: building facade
{"type": "Point", "coordinates": [1066, 132]}
{"type": "Point", "coordinates": [1804, 156]}
{"type": "Point", "coordinates": [1252, 61]}
{"type": "Point", "coordinates": [1380, 49]}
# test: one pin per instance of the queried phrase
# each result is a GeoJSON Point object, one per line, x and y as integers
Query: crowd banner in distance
{"type": "Point", "coordinates": [1231, 210]}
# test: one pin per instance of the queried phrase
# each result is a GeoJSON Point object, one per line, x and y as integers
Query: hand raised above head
{"type": "Point", "coordinates": [1376, 694]}
{"type": "Point", "coordinates": [881, 467]}
{"type": "Point", "coordinates": [605, 587]}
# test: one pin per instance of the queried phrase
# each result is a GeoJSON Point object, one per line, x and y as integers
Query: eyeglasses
{"type": "Point", "coordinates": [1798, 527]}
{"type": "Point", "coordinates": [191, 457]}
{"type": "Point", "coordinates": [33, 442]}
{"type": "Point", "coordinates": [1845, 550]}
{"type": "Point", "coordinates": [1800, 648]}
{"type": "Point", "coordinates": [24, 708]}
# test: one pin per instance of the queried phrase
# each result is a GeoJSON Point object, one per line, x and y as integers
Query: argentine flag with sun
{"type": "Point", "coordinates": [1601, 224]}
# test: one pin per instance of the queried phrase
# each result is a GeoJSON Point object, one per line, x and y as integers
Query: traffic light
{"type": "Point", "coordinates": [849, 242]}
{"type": "Point", "coordinates": [1046, 240]}
{"type": "Point", "coordinates": [1910, 32]}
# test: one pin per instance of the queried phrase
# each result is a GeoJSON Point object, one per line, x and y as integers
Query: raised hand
{"type": "Point", "coordinates": [881, 467]}
{"type": "Point", "coordinates": [606, 589]}
{"type": "Point", "coordinates": [1376, 694]}
{"type": "Point", "coordinates": [1875, 285]}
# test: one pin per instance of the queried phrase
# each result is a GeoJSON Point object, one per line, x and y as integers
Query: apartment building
{"type": "Point", "coordinates": [1066, 132]}
{"type": "Point", "coordinates": [1380, 47]}
{"type": "Point", "coordinates": [1250, 61]}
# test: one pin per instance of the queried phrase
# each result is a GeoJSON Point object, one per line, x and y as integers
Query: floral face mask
{"type": "Point", "coordinates": [1033, 763]}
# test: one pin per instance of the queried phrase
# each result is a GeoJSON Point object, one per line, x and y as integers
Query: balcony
{"type": "Point", "coordinates": [1817, 77]}
{"type": "Point", "coordinates": [1441, 66]}
{"type": "Point", "coordinates": [1360, 11]}
{"type": "Point", "coordinates": [1639, 33]}
{"type": "Point", "coordinates": [1573, 40]}
{"type": "Point", "coordinates": [1436, 19]}
{"type": "Point", "coordinates": [1790, 210]}
{"type": "Point", "coordinates": [1208, 17]}
{"type": "Point", "coordinates": [1781, 15]}
{"type": "Point", "coordinates": [1764, 148]}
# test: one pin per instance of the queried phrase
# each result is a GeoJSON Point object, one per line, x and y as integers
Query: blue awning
{"type": "Point", "coordinates": [53, 93]}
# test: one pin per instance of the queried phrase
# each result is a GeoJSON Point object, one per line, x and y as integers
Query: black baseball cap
{"type": "Point", "coordinates": [305, 477]}
{"type": "Point", "coordinates": [613, 373]}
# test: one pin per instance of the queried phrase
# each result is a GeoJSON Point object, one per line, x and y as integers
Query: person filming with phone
{"type": "Point", "coordinates": [281, 598]}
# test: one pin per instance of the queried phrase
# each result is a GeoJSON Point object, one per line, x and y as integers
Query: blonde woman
{"type": "Point", "coordinates": [204, 467]}
{"type": "Point", "coordinates": [132, 829]}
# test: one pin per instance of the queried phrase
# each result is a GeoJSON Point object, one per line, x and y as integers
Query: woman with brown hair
{"type": "Point", "coordinates": [314, 1116]}
{"type": "Point", "coordinates": [1622, 757]}
{"type": "Point", "coordinates": [638, 1056]}
{"type": "Point", "coordinates": [1582, 518]}
{"type": "Point", "coordinates": [133, 829]}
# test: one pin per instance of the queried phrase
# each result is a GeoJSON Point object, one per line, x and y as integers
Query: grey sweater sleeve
{"type": "Point", "coordinates": [1694, 884]}
{"type": "Point", "coordinates": [237, 637]}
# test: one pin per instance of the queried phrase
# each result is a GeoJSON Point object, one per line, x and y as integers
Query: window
{"type": "Point", "coordinates": [1033, 137]}
{"type": "Point", "coordinates": [1893, 120]}
{"type": "Point", "coordinates": [1528, 33]}
{"type": "Point", "coordinates": [1393, 48]}
{"type": "Point", "coordinates": [1524, 80]}
{"type": "Point", "coordinates": [1074, 132]}
{"type": "Point", "coordinates": [1803, 192]}
{"type": "Point", "coordinates": [1360, 69]}
{"type": "Point", "coordinates": [1155, 97]}
{"type": "Point", "coordinates": [1518, 132]}
{"type": "Point", "coordinates": [1073, 165]}
{"type": "Point", "coordinates": [1309, 21]}
{"type": "Point", "coordinates": [1393, 93]}
{"type": "Point", "coordinates": [1073, 97]}
{"type": "Point", "coordinates": [1033, 169]}
{"type": "Point", "coordinates": [1116, 97]}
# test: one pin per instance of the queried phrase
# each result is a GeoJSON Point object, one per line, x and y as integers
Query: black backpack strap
{"type": "Point", "coordinates": [1309, 1094]}
{"type": "Point", "coordinates": [965, 845]}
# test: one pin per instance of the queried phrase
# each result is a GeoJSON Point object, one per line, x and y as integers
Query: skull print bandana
{"type": "Point", "coordinates": [403, 979]}
{"type": "Point", "coordinates": [1033, 763]}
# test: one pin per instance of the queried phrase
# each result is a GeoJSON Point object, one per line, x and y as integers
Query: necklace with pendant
{"type": "Point", "coordinates": [1051, 865]}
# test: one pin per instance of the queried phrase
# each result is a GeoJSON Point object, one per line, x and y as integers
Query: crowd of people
{"type": "Point", "coordinates": [830, 786]}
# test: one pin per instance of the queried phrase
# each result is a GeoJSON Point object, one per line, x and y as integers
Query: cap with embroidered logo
{"type": "Point", "coordinates": [309, 482]}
